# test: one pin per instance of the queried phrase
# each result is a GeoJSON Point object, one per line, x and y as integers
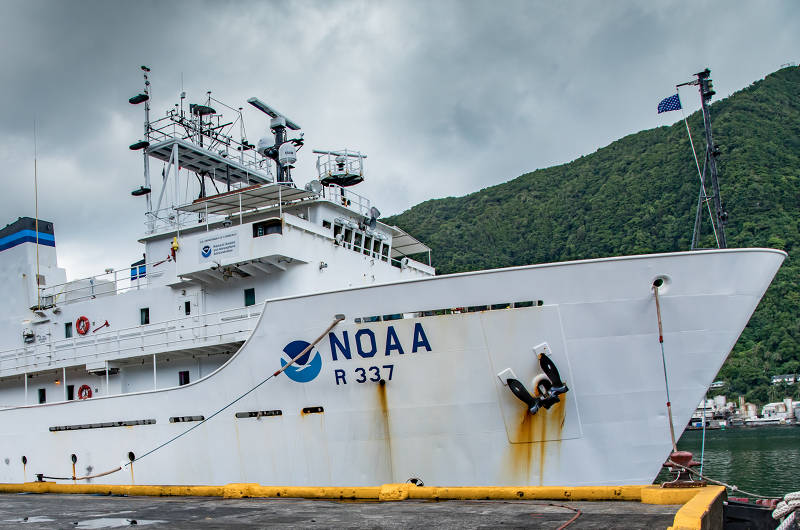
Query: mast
{"type": "Point", "coordinates": [142, 145]}
{"type": "Point", "coordinates": [720, 219]}
{"type": "Point", "coordinates": [145, 70]}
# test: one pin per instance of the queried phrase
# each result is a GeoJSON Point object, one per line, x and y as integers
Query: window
{"type": "Point", "coordinates": [376, 248]}
{"type": "Point", "coordinates": [187, 307]}
{"type": "Point", "coordinates": [348, 237]}
{"type": "Point", "coordinates": [68, 330]}
{"type": "Point", "coordinates": [367, 244]}
{"type": "Point", "coordinates": [385, 252]}
{"type": "Point", "coordinates": [357, 242]}
{"type": "Point", "coordinates": [70, 392]}
{"type": "Point", "coordinates": [249, 297]}
{"type": "Point", "coordinates": [270, 226]}
{"type": "Point", "coordinates": [40, 279]}
{"type": "Point", "coordinates": [326, 224]}
{"type": "Point", "coordinates": [144, 315]}
{"type": "Point", "coordinates": [183, 378]}
{"type": "Point", "coordinates": [42, 395]}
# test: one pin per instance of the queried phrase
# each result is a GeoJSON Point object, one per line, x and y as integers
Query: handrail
{"type": "Point", "coordinates": [349, 199]}
{"type": "Point", "coordinates": [105, 279]}
{"type": "Point", "coordinates": [141, 332]}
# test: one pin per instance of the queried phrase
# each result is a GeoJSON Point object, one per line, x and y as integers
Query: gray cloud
{"type": "Point", "coordinates": [445, 97]}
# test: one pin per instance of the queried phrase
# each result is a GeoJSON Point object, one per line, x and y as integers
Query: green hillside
{"type": "Point", "coordinates": [638, 195]}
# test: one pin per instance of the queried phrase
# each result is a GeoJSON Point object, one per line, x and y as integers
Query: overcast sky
{"type": "Point", "coordinates": [445, 97]}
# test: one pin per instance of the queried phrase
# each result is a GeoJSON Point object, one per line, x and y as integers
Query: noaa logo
{"type": "Point", "coordinates": [303, 370]}
{"type": "Point", "coordinates": [206, 252]}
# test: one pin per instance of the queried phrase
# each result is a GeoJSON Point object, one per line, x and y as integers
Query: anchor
{"type": "Point", "coordinates": [547, 387]}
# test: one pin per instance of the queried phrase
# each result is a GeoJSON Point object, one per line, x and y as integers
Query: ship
{"type": "Point", "coordinates": [282, 334]}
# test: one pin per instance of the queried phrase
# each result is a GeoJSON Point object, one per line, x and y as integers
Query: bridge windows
{"type": "Point", "coordinates": [144, 316]}
{"type": "Point", "coordinates": [67, 330]}
{"type": "Point", "coordinates": [270, 226]}
{"type": "Point", "coordinates": [368, 243]}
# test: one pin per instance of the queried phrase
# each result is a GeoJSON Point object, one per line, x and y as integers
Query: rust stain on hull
{"type": "Point", "coordinates": [383, 409]}
{"type": "Point", "coordinates": [535, 434]}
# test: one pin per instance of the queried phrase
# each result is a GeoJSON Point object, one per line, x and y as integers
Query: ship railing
{"type": "Point", "coordinates": [109, 283]}
{"type": "Point", "coordinates": [347, 198]}
{"type": "Point", "coordinates": [169, 127]}
{"type": "Point", "coordinates": [171, 218]}
{"type": "Point", "coordinates": [408, 263]}
{"type": "Point", "coordinates": [193, 331]}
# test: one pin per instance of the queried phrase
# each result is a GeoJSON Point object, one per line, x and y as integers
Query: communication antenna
{"type": "Point", "coordinates": [283, 151]}
{"type": "Point", "coordinates": [36, 210]}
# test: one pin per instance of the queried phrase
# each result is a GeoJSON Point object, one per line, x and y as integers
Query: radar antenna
{"type": "Point", "coordinates": [283, 151]}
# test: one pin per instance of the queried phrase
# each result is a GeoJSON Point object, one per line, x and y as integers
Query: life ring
{"type": "Point", "coordinates": [82, 325]}
{"type": "Point", "coordinates": [84, 392]}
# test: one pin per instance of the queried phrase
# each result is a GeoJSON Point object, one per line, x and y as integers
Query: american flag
{"type": "Point", "coordinates": [670, 103]}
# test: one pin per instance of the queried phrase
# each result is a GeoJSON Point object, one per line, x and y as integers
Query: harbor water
{"type": "Point", "coordinates": [762, 460]}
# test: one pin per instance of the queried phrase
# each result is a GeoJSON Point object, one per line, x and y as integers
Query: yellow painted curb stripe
{"type": "Point", "coordinates": [386, 492]}
{"type": "Point", "coordinates": [702, 507]}
{"type": "Point", "coordinates": [703, 511]}
{"type": "Point", "coordinates": [658, 495]}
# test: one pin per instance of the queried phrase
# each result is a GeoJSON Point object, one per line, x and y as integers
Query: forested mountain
{"type": "Point", "coordinates": [638, 195]}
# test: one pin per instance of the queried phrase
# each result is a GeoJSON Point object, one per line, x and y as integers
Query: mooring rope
{"type": "Point", "coordinates": [664, 363]}
{"type": "Point", "coordinates": [338, 318]}
{"type": "Point", "coordinates": [731, 487]}
{"type": "Point", "coordinates": [787, 509]}
{"type": "Point", "coordinates": [703, 443]}
{"type": "Point", "coordinates": [87, 477]}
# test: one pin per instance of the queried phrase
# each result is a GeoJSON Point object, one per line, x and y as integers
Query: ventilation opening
{"type": "Point", "coordinates": [258, 413]}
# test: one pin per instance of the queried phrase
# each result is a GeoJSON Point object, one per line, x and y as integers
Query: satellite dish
{"type": "Point", "coordinates": [314, 186]}
{"type": "Point", "coordinates": [264, 144]}
{"type": "Point", "coordinates": [287, 154]}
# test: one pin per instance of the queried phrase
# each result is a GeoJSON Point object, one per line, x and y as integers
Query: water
{"type": "Point", "coordinates": [762, 460]}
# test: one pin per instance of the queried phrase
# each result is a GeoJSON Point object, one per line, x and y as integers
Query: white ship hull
{"type": "Point", "coordinates": [443, 415]}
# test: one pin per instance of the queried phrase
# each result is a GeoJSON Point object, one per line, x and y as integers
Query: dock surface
{"type": "Point", "coordinates": [111, 511]}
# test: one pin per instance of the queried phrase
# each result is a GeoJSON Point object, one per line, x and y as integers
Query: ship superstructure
{"type": "Point", "coordinates": [225, 229]}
